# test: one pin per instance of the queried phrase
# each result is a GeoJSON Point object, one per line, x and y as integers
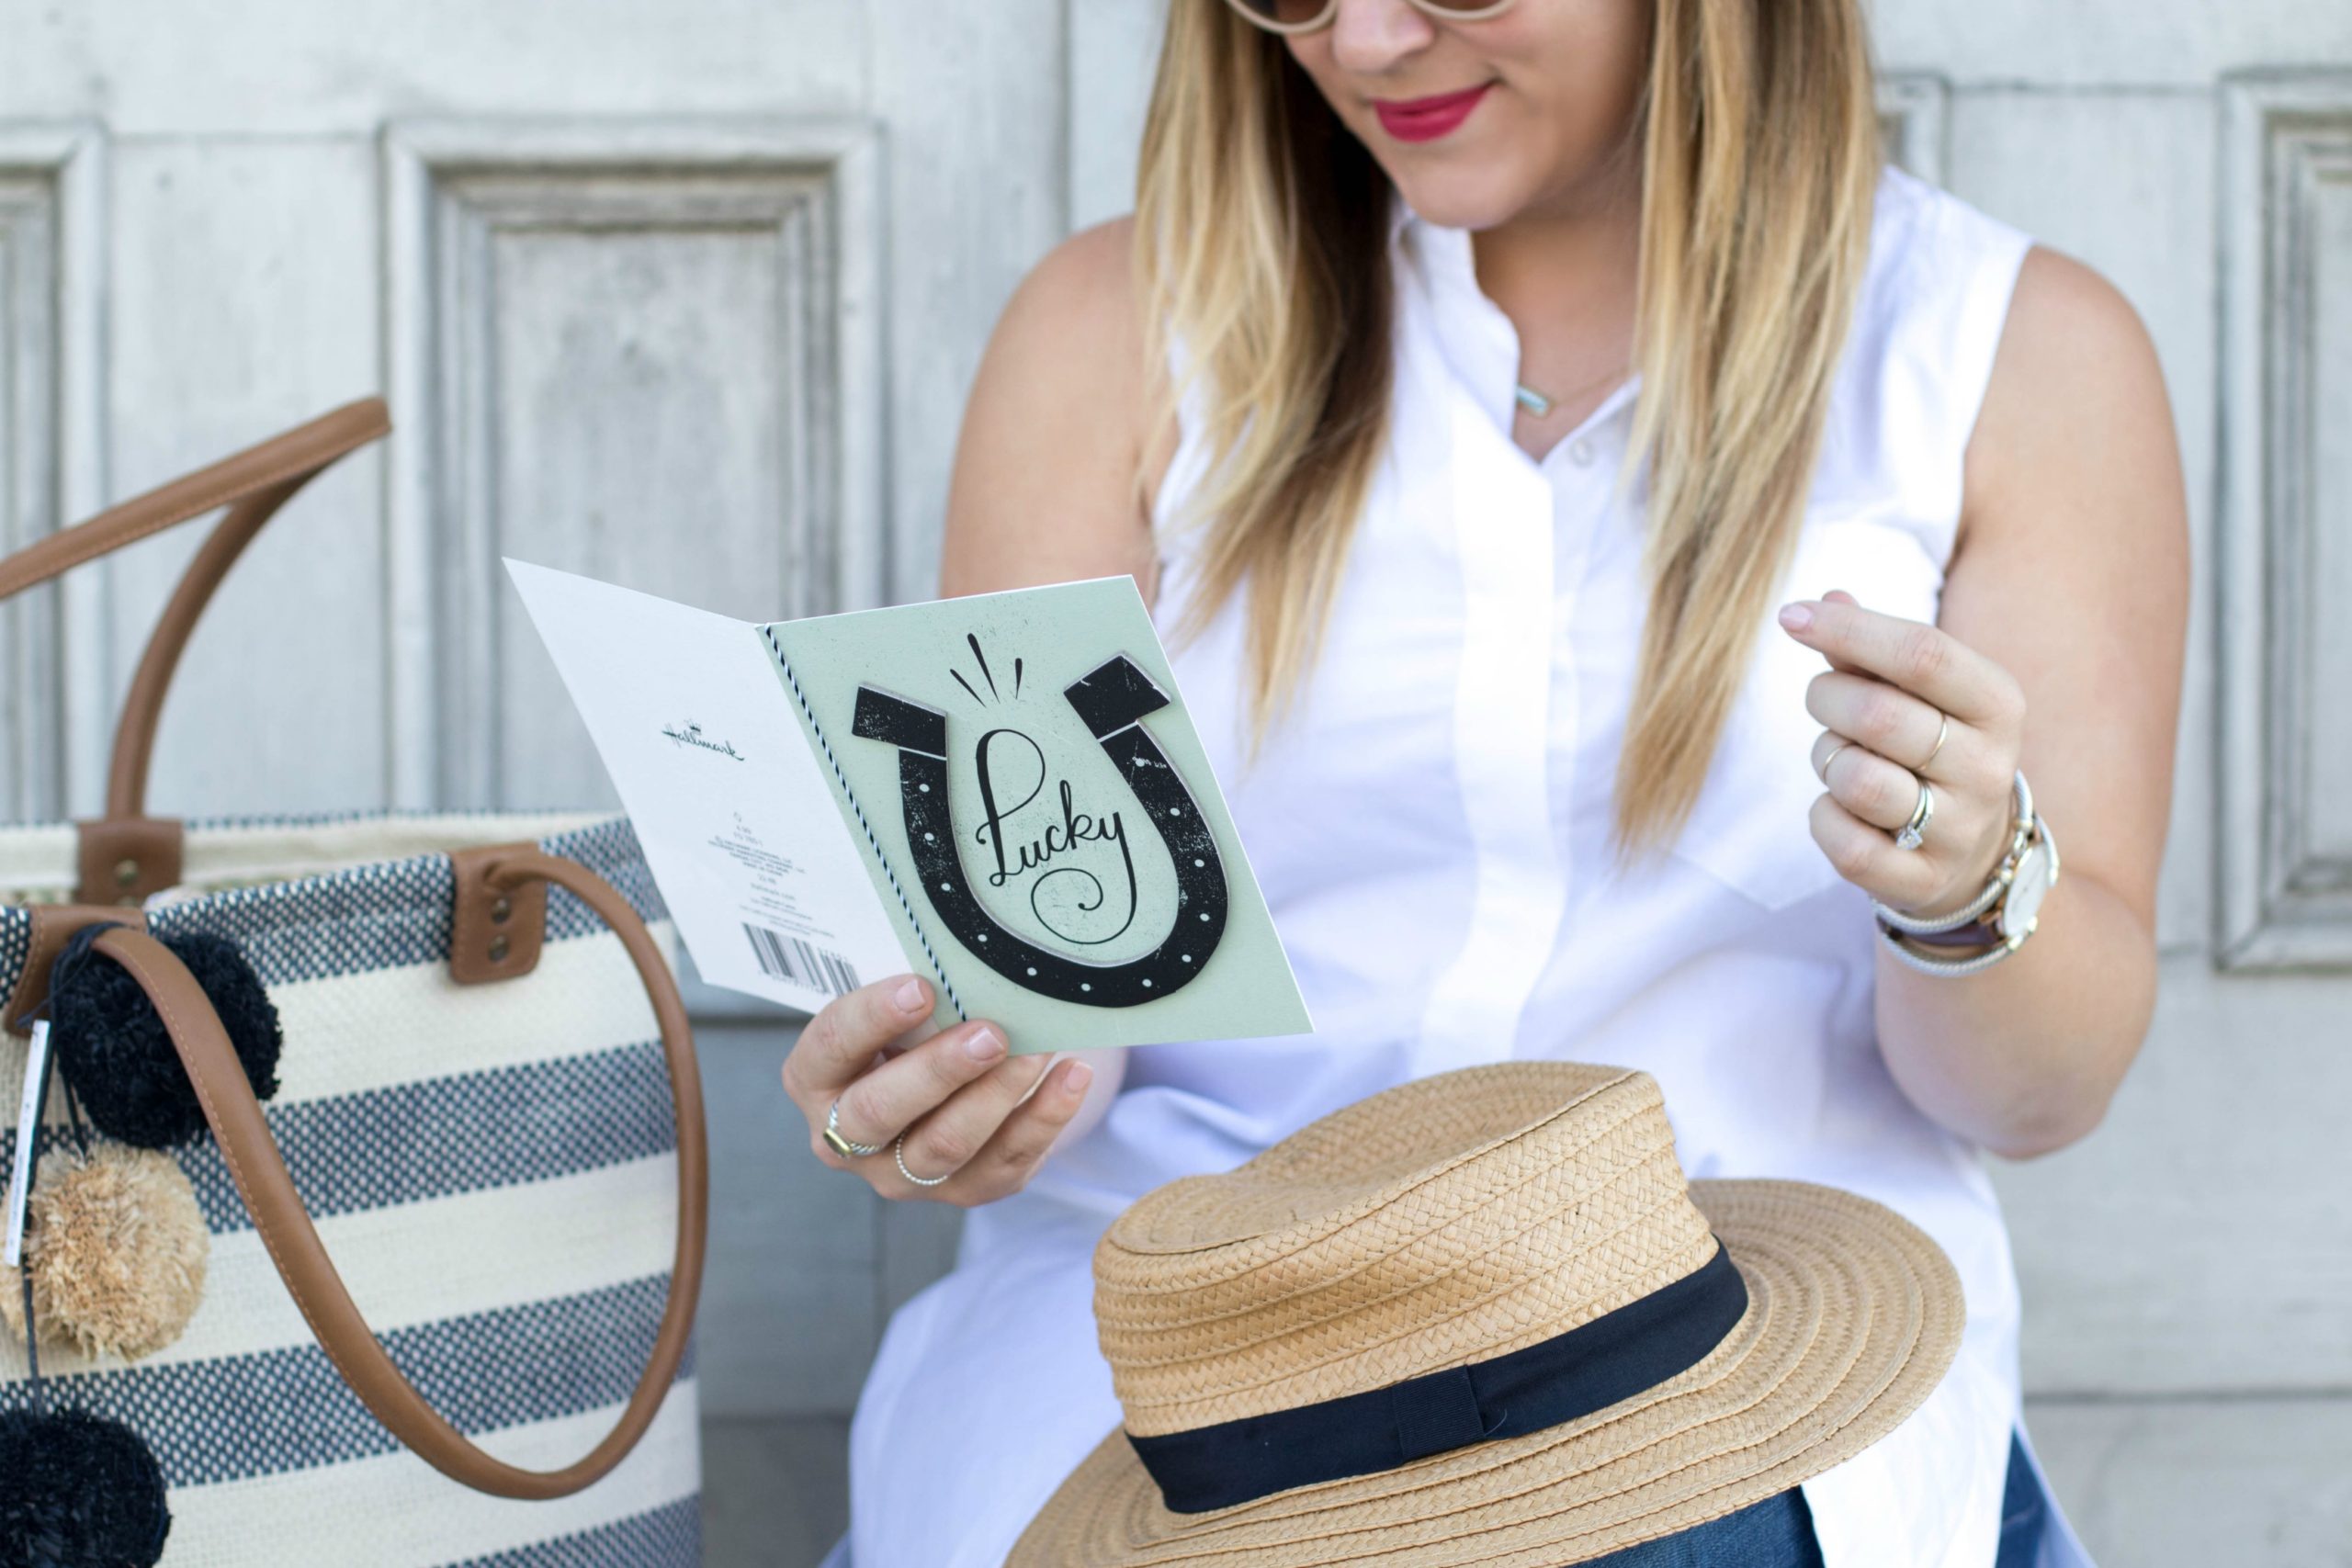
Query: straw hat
{"type": "Point", "coordinates": [1480, 1319]}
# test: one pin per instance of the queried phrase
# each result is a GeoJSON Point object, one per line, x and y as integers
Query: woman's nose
{"type": "Point", "coordinates": [1372, 36]}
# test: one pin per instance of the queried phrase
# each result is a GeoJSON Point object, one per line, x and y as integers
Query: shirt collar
{"type": "Point", "coordinates": [1477, 341]}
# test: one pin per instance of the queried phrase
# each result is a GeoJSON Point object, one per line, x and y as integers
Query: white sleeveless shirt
{"type": "Point", "coordinates": [1429, 832]}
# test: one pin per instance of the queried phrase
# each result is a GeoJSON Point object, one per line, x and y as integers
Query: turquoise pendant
{"type": "Point", "coordinates": [1530, 399]}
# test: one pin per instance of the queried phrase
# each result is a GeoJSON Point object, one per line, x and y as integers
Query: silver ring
{"type": "Point", "coordinates": [842, 1142]}
{"type": "Point", "coordinates": [1942, 729]}
{"type": "Point", "coordinates": [1912, 832]}
{"type": "Point", "coordinates": [911, 1176]}
{"type": "Point", "coordinates": [1831, 758]}
{"type": "Point", "coordinates": [2019, 832]}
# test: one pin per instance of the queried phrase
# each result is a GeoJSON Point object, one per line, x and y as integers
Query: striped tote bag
{"type": "Point", "coordinates": [451, 1240]}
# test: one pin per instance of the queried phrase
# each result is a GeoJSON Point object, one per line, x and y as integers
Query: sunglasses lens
{"type": "Point", "coordinates": [1298, 13]}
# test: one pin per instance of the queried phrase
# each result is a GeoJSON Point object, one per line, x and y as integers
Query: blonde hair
{"type": "Point", "coordinates": [1261, 245]}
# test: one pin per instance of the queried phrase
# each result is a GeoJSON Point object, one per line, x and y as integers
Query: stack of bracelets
{"type": "Point", "coordinates": [1997, 921]}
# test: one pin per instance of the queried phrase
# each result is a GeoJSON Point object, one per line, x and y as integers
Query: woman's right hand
{"type": "Point", "coordinates": [966, 1107]}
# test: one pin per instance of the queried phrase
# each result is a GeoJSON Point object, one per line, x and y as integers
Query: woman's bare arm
{"type": "Point", "coordinates": [2071, 573]}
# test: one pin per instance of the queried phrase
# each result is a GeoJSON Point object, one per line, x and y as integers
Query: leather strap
{"type": "Point", "coordinates": [252, 484]}
{"type": "Point", "coordinates": [259, 1171]}
{"type": "Point", "coordinates": [54, 926]}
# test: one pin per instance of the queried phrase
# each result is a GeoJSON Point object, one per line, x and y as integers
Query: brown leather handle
{"type": "Point", "coordinates": [252, 484]}
{"type": "Point", "coordinates": [293, 1242]}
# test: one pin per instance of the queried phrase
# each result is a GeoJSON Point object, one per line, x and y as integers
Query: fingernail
{"type": "Point", "coordinates": [984, 1045]}
{"type": "Point", "coordinates": [1080, 1075]}
{"type": "Point", "coordinates": [1797, 615]}
{"type": "Point", "coordinates": [909, 995]}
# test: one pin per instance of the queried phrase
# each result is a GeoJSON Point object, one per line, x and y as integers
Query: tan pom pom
{"type": "Point", "coordinates": [116, 1246]}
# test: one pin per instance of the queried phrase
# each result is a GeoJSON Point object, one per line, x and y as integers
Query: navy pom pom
{"type": "Point", "coordinates": [78, 1491]}
{"type": "Point", "coordinates": [114, 1051]}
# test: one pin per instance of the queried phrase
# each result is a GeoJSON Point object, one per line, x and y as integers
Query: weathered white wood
{"type": "Point", "coordinates": [2286, 658]}
{"type": "Point", "coordinates": [2124, 183]}
{"type": "Point", "coordinates": [243, 301]}
{"type": "Point", "coordinates": [285, 68]}
{"type": "Point", "coordinates": [977, 192]}
{"type": "Point", "coordinates": [643, 350]}
{"type": "Point", "coordinates": [2259, 1483]}
{"type": "Point", "coordinates": [776, 1491]}
{"type": "Point", "coordinates": [305, 68]}
{"type": "Point", "coordinates": [1915, 112]}
{"type": "Point", "coordinates": [788, 1319]}
{"type": "Point", "coordinates": [2101, 44]}
{"type": "Point", "coordinates": [31, 718]}
{"type": "Point", "coordinates": [2198, 1242]}
{"type": "Point", "coordinates": [1113, 46]}
{"type": "Point", "coordinates": [53, 291]}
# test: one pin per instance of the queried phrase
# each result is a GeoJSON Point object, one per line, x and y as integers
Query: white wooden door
{"type": "Point", "coordinates": [682, 292]}
{"type": "Point", "coordinates": [689, 293]}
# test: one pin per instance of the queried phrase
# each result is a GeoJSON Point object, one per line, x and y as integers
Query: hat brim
{"type": "Point", "coordinates": [1854, 1315]}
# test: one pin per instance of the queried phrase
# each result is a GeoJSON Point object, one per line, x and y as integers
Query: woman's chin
{"type": "Point", "coordinates": [1455, 199]}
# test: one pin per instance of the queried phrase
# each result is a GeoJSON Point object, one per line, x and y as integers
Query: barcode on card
{"type": "Point", "coordinates": [785, 957]}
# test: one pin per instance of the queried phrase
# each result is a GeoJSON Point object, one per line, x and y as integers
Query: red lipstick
{"type": "Point", "coordinates": [1426, 119]}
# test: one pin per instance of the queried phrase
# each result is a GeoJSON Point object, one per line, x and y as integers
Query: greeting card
{"type": "Point", "coordinates": [1001, 791]}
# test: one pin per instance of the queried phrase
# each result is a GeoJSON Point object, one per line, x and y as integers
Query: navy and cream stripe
{"type": "Point", "coordinates": [395, 913]}
{"type": "Point", "coordinates": [437, 1121]}
{"type": "Point", "coordinates": [16, 939]}
{"type": "Point", "coordinates": [671, 1533]}
{"type": "Point", "coordinates": [385, 915]}
{"type": "Point", "coordinates": [436, 1137]}
{"type": "Point", "coordinates": [293, 1411]}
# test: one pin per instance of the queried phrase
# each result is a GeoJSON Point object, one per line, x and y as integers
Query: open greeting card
{"type": "Point", "coordinates": [1001, 793]}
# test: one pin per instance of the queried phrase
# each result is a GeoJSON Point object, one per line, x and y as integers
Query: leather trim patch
{"type": "Point", "coordinates": [495, 934]}
{"type": "Point", "coordinates": [54, 926]}
{"type": "Point", "coordinates": [123, 859]}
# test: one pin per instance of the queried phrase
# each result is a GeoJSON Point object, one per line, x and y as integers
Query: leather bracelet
{"type": "Point", "coordinates": [1975, 933]}
{"type": "Point", "coordinates": [1903, 946]}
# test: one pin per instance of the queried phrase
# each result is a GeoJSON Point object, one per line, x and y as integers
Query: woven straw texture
{"type": "Point", "coordinates": [1453, 1219]}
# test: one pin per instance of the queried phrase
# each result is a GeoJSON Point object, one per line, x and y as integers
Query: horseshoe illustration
{"type": "Point", "coordinates": [1111, 700]}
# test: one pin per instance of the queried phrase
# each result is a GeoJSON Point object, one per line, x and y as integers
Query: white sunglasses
{"type": "Point", "coordinates": [1306, 16]}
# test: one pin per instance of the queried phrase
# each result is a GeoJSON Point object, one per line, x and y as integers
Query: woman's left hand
{"type": "Point", "coordinates": [1888, 681]}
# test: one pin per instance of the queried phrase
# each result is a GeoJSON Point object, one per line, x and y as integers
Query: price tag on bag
{"type": "Point", "coordinates": [20, 1178]}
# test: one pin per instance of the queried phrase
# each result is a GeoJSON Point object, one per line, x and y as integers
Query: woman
{"type": "Point", "coordinates": [1476, 638]}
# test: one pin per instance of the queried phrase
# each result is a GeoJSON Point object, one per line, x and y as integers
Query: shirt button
{"type": "Point", "coordinates": [1580, 452]}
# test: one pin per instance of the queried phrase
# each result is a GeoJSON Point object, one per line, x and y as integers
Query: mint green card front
{"type": "Point", "coordinates": [1040, 816]}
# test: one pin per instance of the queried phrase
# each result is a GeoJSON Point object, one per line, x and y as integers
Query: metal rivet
{"type": "Point", "coordinates": [126, 871]}
{"type": "Point", "coordinates": [500, 910]}
{"type": "Point", "coordinates": [499, 948]}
